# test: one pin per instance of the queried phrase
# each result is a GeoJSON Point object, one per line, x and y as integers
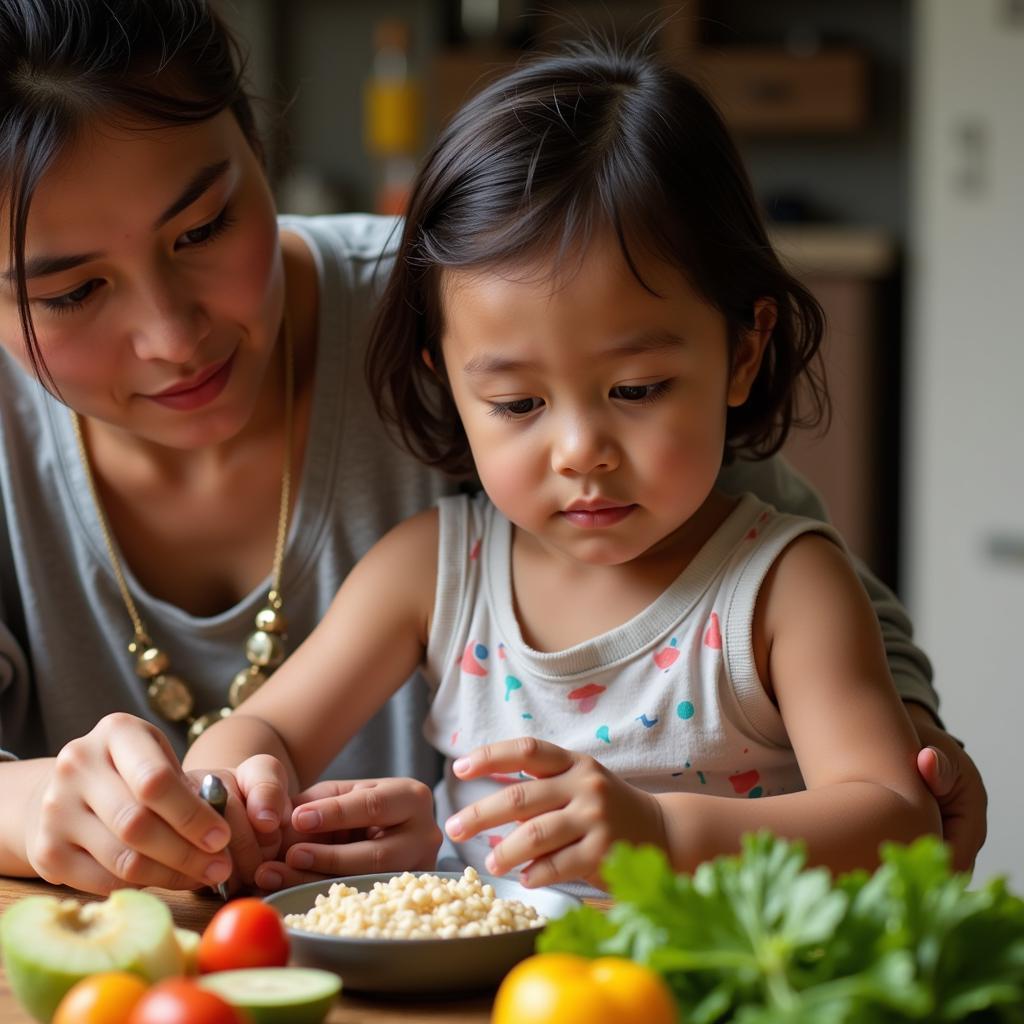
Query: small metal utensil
{"type": "Point", "coordinates": [214, 792]}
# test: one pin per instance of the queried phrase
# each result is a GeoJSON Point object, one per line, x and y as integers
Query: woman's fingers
{"type": "Point", "coordinates": [127, 865]}
{"type": "Point", "coordinates": [80, 870]}
{"type": "Point", "coordinates": [144, 760]}
{"type": "Point", "coordinates": [127, 830]}
{"type": "Point", "coordinates": [103, 799]}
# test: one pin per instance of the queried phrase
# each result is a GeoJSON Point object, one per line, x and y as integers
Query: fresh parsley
{"type": "Point", "coordinates": [759, 938]}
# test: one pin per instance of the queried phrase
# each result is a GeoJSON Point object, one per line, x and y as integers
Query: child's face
{"type": "Point", "coordinates": [153, 302]}
{"type": "Point", "coordinates": [595, 409]}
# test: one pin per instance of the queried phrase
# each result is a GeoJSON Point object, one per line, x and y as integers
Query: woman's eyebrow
{"type": "Point", "coordinates": [40, 266]}
{"type": "Point", "coordinates": [200, 182]}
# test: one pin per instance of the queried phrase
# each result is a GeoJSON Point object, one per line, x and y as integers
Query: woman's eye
{"type": "Point", "coordinates": [72, 300]}
{"type": "Point", "coordinates": [640, 392]}
{"type": "Point", "coordinates": [516, 408]}
{"type": "Point", "coordinates": [205, 232]}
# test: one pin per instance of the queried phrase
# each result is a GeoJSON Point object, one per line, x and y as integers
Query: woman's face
{"type": "Point", "coordinates": [155, 279]}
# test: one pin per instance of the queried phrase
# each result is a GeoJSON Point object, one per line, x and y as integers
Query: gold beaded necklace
{"type": "Point", "coordinates": [169, 695]}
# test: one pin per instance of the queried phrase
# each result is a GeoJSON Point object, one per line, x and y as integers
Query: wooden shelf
{"type": "Point", "coordinates": [759, 91]}
{"type": "Point", "coordinates": [765, 91]}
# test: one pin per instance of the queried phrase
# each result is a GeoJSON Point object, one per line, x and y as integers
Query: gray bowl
{"type": "Point", "coordinates": [416, 966]}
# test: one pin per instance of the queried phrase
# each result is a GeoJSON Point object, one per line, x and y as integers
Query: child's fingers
{"type": "Point", "coordinates": [520, 801]}
{"type": "Point", "coordinates": [581, 859]}
{"type": "Point", "coordinates": [323, 790]}
{"type": "Point", "coordinates": [538, 837]}
{"type": "Point", "coordinates": [264, 786]}
{"type": "Point", "coordinates": [380, 802]}
{"type": "Point", "coordinates": [525, 754]}
{"type": "Point", "coordinates": [389, 852]}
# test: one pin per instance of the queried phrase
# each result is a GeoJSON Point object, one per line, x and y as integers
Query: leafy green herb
{"type": "Point", "coordinates": [759, 938]}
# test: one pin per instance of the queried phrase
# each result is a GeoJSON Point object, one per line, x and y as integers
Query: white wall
{"type": "Point", "coordinates": [965, 445]}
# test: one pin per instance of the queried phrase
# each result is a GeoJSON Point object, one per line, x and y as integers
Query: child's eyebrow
{"type": "Point", "coordinates": [638, 344]}
{"type": "Point", "coordinates": [646, 341]}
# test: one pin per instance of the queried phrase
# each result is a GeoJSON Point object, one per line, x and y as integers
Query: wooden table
{"type": "Point", "coordinates": [194, 911]}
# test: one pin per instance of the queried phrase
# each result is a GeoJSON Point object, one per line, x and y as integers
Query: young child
{"type": "Point", "coordinates": [586, 310]}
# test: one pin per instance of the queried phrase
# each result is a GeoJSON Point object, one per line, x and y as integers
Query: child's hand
{"type": "Point", "coordinates": [570, 812]}
{"type": "Point", "coordinates": [355, 828]}
{"type": "Point", "coordinates": [258, 803]}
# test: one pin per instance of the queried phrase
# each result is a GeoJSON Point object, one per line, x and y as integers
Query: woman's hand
{"type": "Point", "coordinates": [116, 810]}
{"type": "Point", "coordinates": [570, 812]}
{"type": "Point", "coordinates": [356, 828]}
{"type": "Point", "coordinates": [956, 784]}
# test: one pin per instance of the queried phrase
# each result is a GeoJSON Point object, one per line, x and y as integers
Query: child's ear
{"type": "Point", "coordinates": [750, 351]}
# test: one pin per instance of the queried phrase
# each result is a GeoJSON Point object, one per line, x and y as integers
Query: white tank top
{"type": "Point", "coordinates": [670, 700]}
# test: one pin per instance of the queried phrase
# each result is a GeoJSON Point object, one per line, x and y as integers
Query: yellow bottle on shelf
{"type": "Point", "coordinates": [393, 118]}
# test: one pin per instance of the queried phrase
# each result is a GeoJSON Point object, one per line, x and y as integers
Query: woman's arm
{"type": "Point", "coordinates": [111, 809]}
{"type": "Point", "coordinates": [819, 653]}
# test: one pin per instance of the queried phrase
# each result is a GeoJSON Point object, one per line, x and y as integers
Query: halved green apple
{"type": "Point", "coordinates": [277, 995]}
{"type": "Point", "coordinates": [48, 944]}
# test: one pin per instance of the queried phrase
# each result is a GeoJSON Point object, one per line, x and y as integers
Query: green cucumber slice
{"type": "Point", "coordinates": [277, 995]}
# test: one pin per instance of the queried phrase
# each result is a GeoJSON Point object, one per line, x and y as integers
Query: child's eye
{"type": "Point", "coordinates": [640, 393]}
{"type": "Point", "coordinates": [70, 301]}
{"type": "Point", "coordinates": [207, 232]}
{"type": "Point", "coordinates": [515, 409]}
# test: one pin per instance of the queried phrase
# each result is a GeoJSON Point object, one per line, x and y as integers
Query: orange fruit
{"type": "Point", "coordinates": [105, 998]}
{"type": "Point", "coordinates": [560, 988]}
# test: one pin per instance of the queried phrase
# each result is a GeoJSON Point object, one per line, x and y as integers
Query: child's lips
{"type": "Point", "coordinates": [596, 515]}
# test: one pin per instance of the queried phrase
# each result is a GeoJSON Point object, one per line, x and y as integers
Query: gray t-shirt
{"type": "Point", "coordinates": [63, 627]}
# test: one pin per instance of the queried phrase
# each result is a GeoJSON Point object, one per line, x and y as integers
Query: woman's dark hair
{"type": "Point", "coordinates": [558, 149]}
{"type": "Point", "coordinates": [62, 62]}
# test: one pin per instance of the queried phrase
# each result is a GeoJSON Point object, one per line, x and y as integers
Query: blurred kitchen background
{"type": "Point", "coordinates": [885, 139]}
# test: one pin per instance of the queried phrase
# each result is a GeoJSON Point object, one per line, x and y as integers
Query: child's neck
{"type": "Point", "coordinates": [561, 602]}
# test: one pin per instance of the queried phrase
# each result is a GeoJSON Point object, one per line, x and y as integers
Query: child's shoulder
{"type": "Point", "coordinates": [813, 577]}
{"type": "Point", "coordinates": [407, 551]}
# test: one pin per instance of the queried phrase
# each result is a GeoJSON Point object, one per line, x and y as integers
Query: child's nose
{"type": "Point", "coordinates": [582, 446]}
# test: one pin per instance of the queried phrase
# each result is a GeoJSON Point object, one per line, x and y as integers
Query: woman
{"type": "Point", "coordinates": [198, 397]}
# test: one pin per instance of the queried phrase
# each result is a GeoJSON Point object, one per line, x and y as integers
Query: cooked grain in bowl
{"type": "Point", "coordinates": [410, 906]}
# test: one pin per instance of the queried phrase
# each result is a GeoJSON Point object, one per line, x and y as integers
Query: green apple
{"type": "Point", "coordinates": [48, 944]}
{"type": "Point", "coordinates": [188, 943]}
{"type": "Point", "coordinates": [277, 995]}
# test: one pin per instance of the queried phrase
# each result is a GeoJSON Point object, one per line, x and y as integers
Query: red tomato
{"type": "Point", "coordinates": [180, 1001]}
{"type": "Point", "coordinates": [243, 933]}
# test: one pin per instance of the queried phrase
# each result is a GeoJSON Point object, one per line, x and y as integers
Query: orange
{"type": "Point", "coordinates": [560, 988]}
{"type": "Point", "coordinates": [105, 998]}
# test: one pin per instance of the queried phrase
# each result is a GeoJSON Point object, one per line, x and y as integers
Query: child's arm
{"type": "Point", "coordinates": [817, 644]}
{"type": "Point", "coordinates": [818, 648]}
{"type": "Point", "coordinates": [946, 767]}
{"type": "Point", "coordinates": [369, 642]}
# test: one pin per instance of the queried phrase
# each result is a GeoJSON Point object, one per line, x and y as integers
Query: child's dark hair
{"type": "Point", "coordinates": [538, 162]}
{"type": "Point", "coordinates": [62, 62]}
